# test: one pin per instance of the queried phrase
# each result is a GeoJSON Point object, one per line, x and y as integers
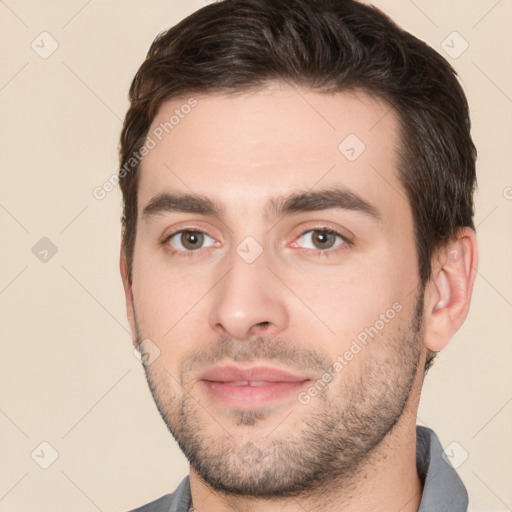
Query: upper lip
{"type": "Point", "coordinates": [227, 373]}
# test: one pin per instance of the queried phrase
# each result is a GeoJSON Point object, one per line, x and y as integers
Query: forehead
{"type": "Point", "coordinates": [244, 148]}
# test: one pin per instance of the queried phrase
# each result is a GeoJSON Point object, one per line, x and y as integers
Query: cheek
{"type": "Point", "coordinates": [170, 301]}
{"type": "Point", "coordinates": [370, 296]}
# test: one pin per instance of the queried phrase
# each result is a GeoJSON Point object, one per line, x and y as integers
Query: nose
{"type": "Point", "coordinates": [249, 301]}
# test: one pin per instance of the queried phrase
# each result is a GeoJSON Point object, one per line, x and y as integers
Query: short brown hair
{"type": "Point", "coordinates": [326, 46]}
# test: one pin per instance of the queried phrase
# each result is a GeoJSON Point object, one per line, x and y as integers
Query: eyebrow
{"type": "Point", "coordinates": [325, 199]}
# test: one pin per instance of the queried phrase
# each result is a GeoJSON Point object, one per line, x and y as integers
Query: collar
{"type": "Point", "coordinates": [443, 490]}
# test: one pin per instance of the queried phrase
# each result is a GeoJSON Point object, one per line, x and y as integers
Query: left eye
{"type": "Point", "coordinates": [321, 239]}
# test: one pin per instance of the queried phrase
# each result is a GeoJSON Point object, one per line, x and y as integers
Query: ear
{"type": "Point", "coordinates": [448, 292]}
{"type": "Point", "coordinates": [127, 284]}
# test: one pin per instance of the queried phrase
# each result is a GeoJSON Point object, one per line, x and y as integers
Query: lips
{"type": "Point", "coordinates": [250, 388]}
{"type": "Point", "coordinates": [248, 383]}
{"type": "Point", "coordinates": [258, 374]}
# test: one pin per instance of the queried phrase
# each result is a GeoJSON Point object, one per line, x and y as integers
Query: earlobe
{"type": "Point", "coordinates": [448, 293]}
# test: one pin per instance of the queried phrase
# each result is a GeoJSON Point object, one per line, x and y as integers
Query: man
{"type": "Point", "coordinates": [298, 244]}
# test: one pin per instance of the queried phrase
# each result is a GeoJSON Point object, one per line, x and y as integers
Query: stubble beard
{"type": "Point", "coordinates": [339, 434]}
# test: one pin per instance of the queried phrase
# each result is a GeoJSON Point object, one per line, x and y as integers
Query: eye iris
{"type": "Point", "coordinates": [192, 239]}
{"type": "Point", "coordinates": [323, 239]}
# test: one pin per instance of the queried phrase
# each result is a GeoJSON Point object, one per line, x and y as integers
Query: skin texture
{"type": "Point", "coordinates": [295, 307]}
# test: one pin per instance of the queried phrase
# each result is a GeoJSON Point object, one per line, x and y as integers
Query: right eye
{"type": "Point", "coordinates": [189, 240]}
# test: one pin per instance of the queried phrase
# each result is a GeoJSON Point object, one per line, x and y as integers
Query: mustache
{"type": "Point", "coordinates": [262, 349]}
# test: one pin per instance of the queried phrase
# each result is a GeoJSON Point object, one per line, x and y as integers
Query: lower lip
{"type": "Point", "coordinates": [251, 397]}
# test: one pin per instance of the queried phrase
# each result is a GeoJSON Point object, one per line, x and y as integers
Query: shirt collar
{"type": "Point", "coordinates": [443, 490]}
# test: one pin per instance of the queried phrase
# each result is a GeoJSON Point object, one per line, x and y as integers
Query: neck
{"type": "Point", "coordinates": [388, 481]}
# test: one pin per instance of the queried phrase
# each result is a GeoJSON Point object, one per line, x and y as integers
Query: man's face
{"type": "Point", "coordinates": [253, 297]}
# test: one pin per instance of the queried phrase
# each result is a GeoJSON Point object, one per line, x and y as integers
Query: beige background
{"type": "Point", "coordinates": [68, 375]}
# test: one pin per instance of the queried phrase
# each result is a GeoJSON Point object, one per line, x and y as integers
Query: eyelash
{"type": "Point", "coordinates": [346, 243]}
{"type": "Point", "coordinates": [180, 252]}
{"type": "Point", "coordinates": [313, 252]}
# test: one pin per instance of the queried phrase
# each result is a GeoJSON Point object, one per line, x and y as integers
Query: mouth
{"type": "Point", "coordinates": [251, 388]}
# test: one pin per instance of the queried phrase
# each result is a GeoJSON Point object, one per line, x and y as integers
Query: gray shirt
{"type": "Point", "coordinates": [443, 490]}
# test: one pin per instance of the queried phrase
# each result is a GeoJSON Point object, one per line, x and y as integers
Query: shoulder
{"type": "Point", "coordinates": [178, 501]}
